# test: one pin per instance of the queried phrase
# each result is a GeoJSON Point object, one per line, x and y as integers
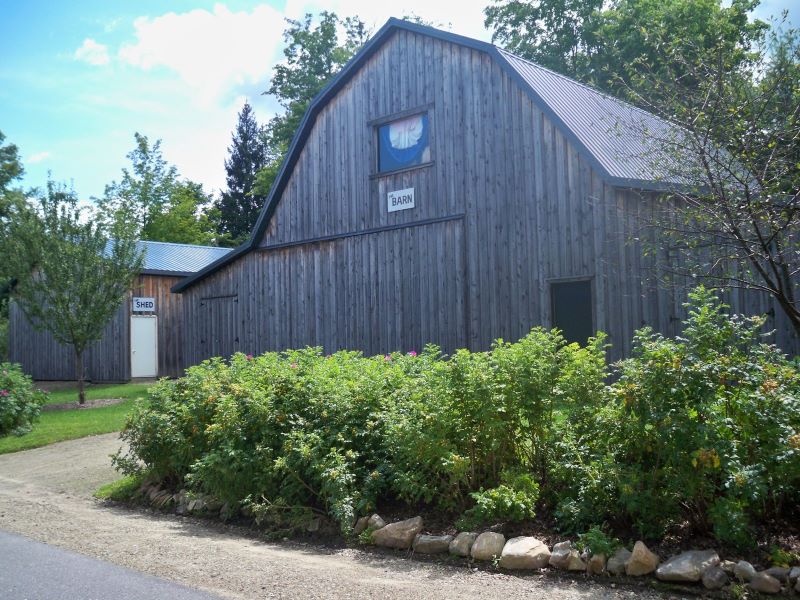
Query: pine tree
{"type": "Point", "coordinates": [238, 205]}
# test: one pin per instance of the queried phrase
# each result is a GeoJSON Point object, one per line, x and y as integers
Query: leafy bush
{"type": "Point", "coordinates": [512, 501]}
{"type": "Point", "coordinates": [20, 403]}
{"type": "Point", "coordinates": [699, 428]}
{"type": "Point", "coordinates": [597, 541]}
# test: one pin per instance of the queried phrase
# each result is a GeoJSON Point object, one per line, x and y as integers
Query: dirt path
{"type": "Point", "coordinates": [45, 494]}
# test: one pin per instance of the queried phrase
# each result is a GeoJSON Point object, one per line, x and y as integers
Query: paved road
{"type": "Point", "coordinates": [34, 571]}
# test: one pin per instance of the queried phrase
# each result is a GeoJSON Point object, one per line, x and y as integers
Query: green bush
{"type": "Point", "coordinates": [20, 403]}
{"type": "Point", "coordinates": [700, 429]}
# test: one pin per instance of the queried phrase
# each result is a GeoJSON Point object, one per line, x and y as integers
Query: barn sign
{"type": "Point", "coordinates": [400, 199]}
{"type": "Point", "coordinates": [144, 304]}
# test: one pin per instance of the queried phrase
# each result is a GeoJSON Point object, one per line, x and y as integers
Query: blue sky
{"type": "Point", "coordinates": [78, 78]}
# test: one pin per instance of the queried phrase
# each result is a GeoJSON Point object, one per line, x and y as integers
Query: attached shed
{"type": "Point", "coordinates": [443, 190]}
{"type": "Point", "coordinates": [144, 339]}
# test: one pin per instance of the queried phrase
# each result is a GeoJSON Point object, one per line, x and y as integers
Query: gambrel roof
{"type": "Point", "coordinates": [614, 136]}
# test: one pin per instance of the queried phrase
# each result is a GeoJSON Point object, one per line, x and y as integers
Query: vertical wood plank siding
{"type": "Point", "coordinates": [109, 359]}
{"type": "Point", "coordinates": [534, 211]}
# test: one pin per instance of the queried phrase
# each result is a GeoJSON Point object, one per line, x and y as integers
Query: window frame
{"type": "Point", "coordinates": [592, 298]}
{"type": "Point", "coordinates": [376, 124]}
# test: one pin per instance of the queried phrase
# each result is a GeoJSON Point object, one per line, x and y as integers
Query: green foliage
{"type": "Point", "coordinates": [702, 428]}
{"type": "Point", "coordinates": [71, 272]}
{"type": "Point", "coordinates": [240, 204]}
{"type": "Point", "coordinates": [597, 541]}
{"type": "Point", "coordinates": [512, 501]}
{"type": "Point", "coordinates": [783, 558]}
{"type": "Point", "coordinates": [20, 403]}
{"type": "Point", "coordinates": [153, 199]}
{"type": "Point", "coordinates": [122, 489]}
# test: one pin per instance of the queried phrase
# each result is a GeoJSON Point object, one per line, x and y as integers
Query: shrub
{"type": "Point", "coordinates": [20, 403]}
{"type": "Point", "coordinates": [597, 541]}
{"type": "Point", "coordinates": [512, 501]}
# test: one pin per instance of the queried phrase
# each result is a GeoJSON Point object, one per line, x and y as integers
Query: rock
{"type": "Point", "coordinates": [617, 563]}
{"type": "Point", "coordinates": [488, 545]}
{"type": "Point", "coordinates": [794, 574]}
{"type": "Point", "coordinates": [375, 522]}
{"type": "Point", "coordinates": [765, 583]}
{"type": "Point", "coordinates": [575, 562]}
{"type": "Point", "coordinates": [727, 566]}
{"type": "Point", "coordinates": [524, 553]}
{"type": "Point", "coordinates": [154, 491]}
{"type": "Point", "coordinates": [642, 561]}
{"type": "Point", "coordinates": [715, 578]}
{"type": "Point", "coordinates": [687, 566]}
{"type": "Point", "coordinates": [314, 525]}
{"type": "Point", "coordinates": [779, 573]}
{"type": "Point", "coordinates": [360, 526]}
{"type": "Point", "coordinates": [397, 535]}
{"type": "Point", "coordinates": [432, 544]}
{"type": "Point", "coordinates": [560, 555]}
{"type": "Point", "coordinates": [797, 586]}
{"type": "Point", "coordinates": [213, 505]}
{"type": "Point", "coordinates": [596, 564]}
{"type": "Point", "coordinates": [462, 543]}
{"type": "Point", "coordinates": [744, 571]}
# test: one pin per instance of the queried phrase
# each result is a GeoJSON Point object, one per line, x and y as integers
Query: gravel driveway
{"type": "Point", "coordinates": [46, 494]}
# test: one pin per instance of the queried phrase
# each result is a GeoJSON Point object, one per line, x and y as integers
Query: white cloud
{"type": "Point", "coordinates": [37, 158]}
{"type": "Point", "coordinates": [92, 53]}
{"type": "Point", "coordinates": [213, 52]}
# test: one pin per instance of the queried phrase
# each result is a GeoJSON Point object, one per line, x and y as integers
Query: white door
{"type": "Point", "coordinates": [144, 346]}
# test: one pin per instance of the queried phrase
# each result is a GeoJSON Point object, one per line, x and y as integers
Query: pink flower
{"type": "Point", "coordinates": [412, 354]}
{"type": "Point", "coordinates": [293, 365]}
{"type": "Point", "coordinates": [249, 357]}
{"type": "Point", "coordinates": [388, 357]}
{"type": "Point", "coordinates": [3, 393]}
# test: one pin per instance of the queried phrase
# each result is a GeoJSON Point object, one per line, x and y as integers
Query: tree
{"type": "Point", "coordinates": [239, 205]}
{"type": "Point", "coordinates": [71, 273]}
{"type": "Point", "coordinates": [152, 196]}
{"type": "Point", "coordinates": [314, 55]}
{"type": "Point", "coordinates": [737, 147]}
{"type": "Point", "coordinates": [604, 43]}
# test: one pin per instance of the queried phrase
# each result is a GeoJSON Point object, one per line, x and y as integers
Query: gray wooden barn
{"type": "Point", "coordinates": [443, 190]}
{"type": "Point", "coordinates": [145, 337]}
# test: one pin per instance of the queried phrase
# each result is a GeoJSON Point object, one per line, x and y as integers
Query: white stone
{"type": "Point", "coordinates": [794, 574]}
{"type": "Point", "coordinates": [617, 563]}
{"type": "Point", "coordinates": [488, 545]}
{"type": "Point", "coordinates": [560, 555]}
{"type": "Point", "coordinates": [596, 564]}
{"type": "Point", "coordinates": [642, 561]}
{"type": "Point", "coordinates": [462, 544]}
{"type": "Point", "coordinates": [524, 553]}
{"type": "Point", "coordinates": [361, 525]}
{"type": "Point", "coordinates": [744, 571]}
{"type": "Point", "coordinates": [375, 522]}
{"type": "Point", "coordinates": [687, 566]}
{"type": "Point", "coordinates": [432, 544]}
{"type": "Point", "coordinates": [715, 578]}
{"type": "Point", "coordinates": [398, 535]}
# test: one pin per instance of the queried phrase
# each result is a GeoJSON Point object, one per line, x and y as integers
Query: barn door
{"type": "Point", "coordinates": [220, 325]}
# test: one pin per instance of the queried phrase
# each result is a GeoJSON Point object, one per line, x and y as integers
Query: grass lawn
{"type": "Point", "coordinates": [60, 425]}
{"type": "Point", "coordinates": [99, 392]}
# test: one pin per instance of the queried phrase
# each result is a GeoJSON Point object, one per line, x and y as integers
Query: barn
{"type": "Point", "coordinates": [443, 190]}
{"type": "Point", "coordinates": [144, 339]}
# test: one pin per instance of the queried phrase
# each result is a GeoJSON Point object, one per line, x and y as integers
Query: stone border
{"type": "Point", "coordinates": [701, 569]}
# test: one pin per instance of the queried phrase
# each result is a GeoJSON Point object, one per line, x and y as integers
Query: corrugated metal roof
{"type": "Point", "coordinates": [629, 143]}
{"type": "Point", "coordinates": [180, 259]}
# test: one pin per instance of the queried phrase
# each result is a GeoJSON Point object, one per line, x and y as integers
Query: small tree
{"type": "Point", "coordinates": [71, 272]}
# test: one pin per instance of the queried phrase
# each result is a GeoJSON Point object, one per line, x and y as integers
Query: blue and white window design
{"type": "Point", "coordinates": [404, 143]}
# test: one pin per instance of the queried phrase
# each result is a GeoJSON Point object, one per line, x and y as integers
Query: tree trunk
{"type": "Point", "coordinates": [80, 375]}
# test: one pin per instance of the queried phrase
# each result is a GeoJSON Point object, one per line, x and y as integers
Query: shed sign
{"type": "Point", "coordinates": [144, 304]}
{"type": "Point", "coordinates": [400, 200]}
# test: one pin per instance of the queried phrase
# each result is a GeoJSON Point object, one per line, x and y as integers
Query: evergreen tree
{"type": "Point", "coordinates": [238, 206]}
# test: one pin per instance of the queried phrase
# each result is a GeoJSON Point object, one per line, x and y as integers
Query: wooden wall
{"type": "Point", "coordinates": [109, 359]}
{"type": "Point", "coordinates": [45, 359]}
{"type": "Point", "coordinates": [507, 206]}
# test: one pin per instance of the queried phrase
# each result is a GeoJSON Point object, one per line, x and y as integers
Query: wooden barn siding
{"type": "Point", "coordinates": [170, 323]}
{"type": "Point", "coordinates": [535, 211]}
{"type": "Point", "coordinates": [45, 359]}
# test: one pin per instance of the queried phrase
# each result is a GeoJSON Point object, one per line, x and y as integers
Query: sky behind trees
{"type": "Point", "coordinates": [78, 79]}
